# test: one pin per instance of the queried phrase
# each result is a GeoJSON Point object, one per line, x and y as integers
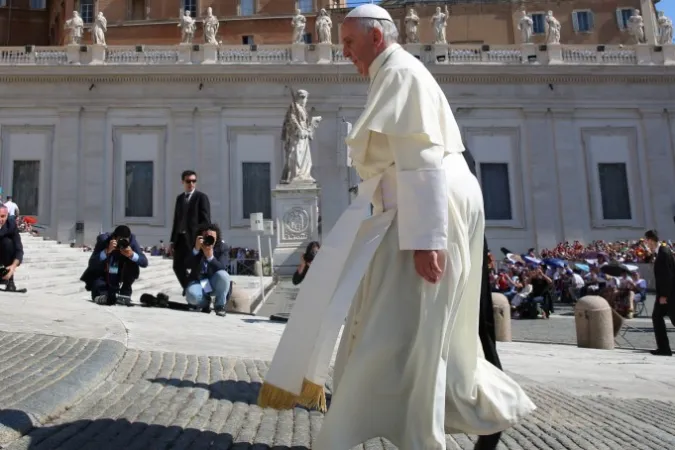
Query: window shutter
{"type": "Point", "coordinates": [575, 21]}
{"type": "Point", "coordinates": [619, 19]}
{"type": "Point", "coordinates": [591, 21]}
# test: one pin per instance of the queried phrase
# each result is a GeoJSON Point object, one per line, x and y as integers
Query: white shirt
{"type": "Point", "coordinates": [11, 207]}
{"type": "Point", "coordinates": [578, 281]}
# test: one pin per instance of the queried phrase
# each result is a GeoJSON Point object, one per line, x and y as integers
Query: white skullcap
{"type": "Point", "coordinates": [369, 11]}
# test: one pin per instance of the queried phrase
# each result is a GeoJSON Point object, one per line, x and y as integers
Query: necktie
{"type": "Point", "coordinates": [187, 197]}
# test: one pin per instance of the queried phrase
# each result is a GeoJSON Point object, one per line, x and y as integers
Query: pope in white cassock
{"type": "Point", "coordinates": [410, 367]}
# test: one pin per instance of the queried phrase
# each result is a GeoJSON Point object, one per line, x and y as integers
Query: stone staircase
{"type": "Point", "coordinates": [54, 269]}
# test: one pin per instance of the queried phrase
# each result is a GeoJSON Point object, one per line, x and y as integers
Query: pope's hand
{"type": "Point", "coordinates": [430, 264]}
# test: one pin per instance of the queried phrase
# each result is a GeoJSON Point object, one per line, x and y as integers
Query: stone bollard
{"type": "Point", "coordinates": [501, 311]}
{"type": "Point", "coordinates": [593, 319]}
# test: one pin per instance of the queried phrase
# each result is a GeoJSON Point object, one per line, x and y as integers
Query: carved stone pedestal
{"type": "Point", "coordinates": [440, 54]}
{"type": "Point", "coordinates": [185, 53]}
{"type": "Point", "coordinates": [414, 49]}
{"type": "Point", "coordinates": [73, 53]}
{"type": "Point", "coordinates": [296, 210]}
{"type": "Point", "coordinates": [643, 53]}
{"type": "Point", "coordinates": [527, 50]}
{"type": "Point", "coordinates": [298, 53]}
{"type": "Point", "coordinates": [97, 54]}
{"type": "Point", "coordinates": [210, 54]}
{"type": "Point", "coordinates": [554, 53]}
{"type": "Point", "coordinates": [325, 52]}
{"type": "Point", "coordinates": [668, 54]}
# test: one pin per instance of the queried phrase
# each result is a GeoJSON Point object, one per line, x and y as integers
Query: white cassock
{"type": "Point", "coordinates": [410, 365]}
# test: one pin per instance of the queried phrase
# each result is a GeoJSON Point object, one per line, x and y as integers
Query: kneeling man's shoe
{"type": "Point", "coordinates": [10, 285]}
{"type": "Point", "coordinates": [101, 299]}
{"type": "Point", "coordinates": [661, 353]}
{"type": "Point", "coordinates": [220, 311]}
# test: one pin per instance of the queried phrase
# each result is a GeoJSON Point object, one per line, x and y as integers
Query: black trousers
{"type": "Point", "coordinates": [660, 331]}
{"type": "Point", "coordinates": [127, 272]}
{"type": "Point", "coordinates": [7, 251]}
{"type": "Point", "coordinates": [486, 332]}
{"type": "Point", "coordinates": [181, 252]}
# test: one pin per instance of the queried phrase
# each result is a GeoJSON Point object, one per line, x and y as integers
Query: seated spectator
{"type": "Point", "coordinates": [11, 249]}
{"type": "Point", "coordinates": [522, 294]}
{"type": "Point", "coordinates": [113, 267]}
{"type": "Point", "coordinates": [208, 274]}
{"type": "Point", "coordinates": [306, 261]}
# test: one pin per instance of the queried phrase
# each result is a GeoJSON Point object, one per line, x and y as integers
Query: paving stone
{"type": "Point", "coordinates": [156, 401]}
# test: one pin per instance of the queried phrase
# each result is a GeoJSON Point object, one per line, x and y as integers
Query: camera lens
{"type": "Point", "coordinates": [123, 243]}
{"type": "Point", "coordinates": [209, 240]}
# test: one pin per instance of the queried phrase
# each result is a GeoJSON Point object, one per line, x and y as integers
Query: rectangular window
{"type": "Point", "coordinates": [87, 11]}
{"type": "Point", "coordinates": [614, 191]}
{"type": "Point", "coordinates": [622, 16]}
{"type": "Point", "coordinates": [35, 4]}
{"type": "Point", "coordinates": [582, 21]}
{"type": "Point", "coordinates": [190, 5]}
{"type": "Point", "coordinates": [256, 182]}
{"type": "Point", "coordinates": [308, 38]}
{"type": "Point", "coordinates": [247, 40]}
{"type": "Point", "coordinates": [494, 178]}
{"type": "Point", "coordinates": [246, 7]}
{"type": "Point", "coordinates": [26, 186]}
{"type": "Point", "coordinates": [306, 6]}
{"type": "Point", "coordinates": [137, 10]}
{"type": "Point", "coordinates": [138, 188]}
{"type": "Point", "coordinates": [538, 23]}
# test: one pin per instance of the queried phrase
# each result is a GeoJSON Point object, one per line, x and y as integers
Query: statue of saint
{"type": "Point", "coordinates": [636, 27]}
{"type": "Point", "coordinates": [552, 29]}
{"type": "Point", "coordinates": [187, 27]}
{"type": "Point", "coordinates": [665, 29]}
{"type": "Point", "coordinates": [297, 132]}
{"type": "Point", "coordinates": [440, 22]}
{"type": "Point", "coordinates": [298, 23]}
{"type": "Point", "coordinates": [411, 22]}
{"type": "Point", "coordinates": [324, 25]}
{"type": "Point", "coordinates": [525, 25]}
{"type": "Point", "coordinates": [211, 25]}
{"type": "Point", "coordinates": [99, 29]}
{"type": "Point", "coordinates": [75, 27]}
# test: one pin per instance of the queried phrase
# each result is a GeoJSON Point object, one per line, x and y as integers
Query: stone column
{"type": "Point", "coordinates": [66, 200]}
{"type": "Point", "coordinates": [649, 17]}
{"type": "Point", "coordinates": [572, 183]}
{"type": "Point", "coordinates": [658, 152]}
{"type": "Point", "coordinates": [182, 155]}
{"type": "Point", "coordinates": [95, 172]}
{"type": "Point", "coordinates": [543, 178]}
{"type": "Point", "coordinates": [212, 178]}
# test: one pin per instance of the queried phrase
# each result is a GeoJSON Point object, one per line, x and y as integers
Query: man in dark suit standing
{"type": "Point", "coordinates": [192, 210]}
{"type": "Point", "coordinates": [114, 265]}
{"type": "Point", "coordinates": [486, 323]}
{"type": "Point", "coordinates": [664, 277]}
{"type": "Point", "coordinates": [11, 248]}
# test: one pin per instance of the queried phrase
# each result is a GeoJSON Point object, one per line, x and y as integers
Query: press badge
{"type": "Point", "coordinates": [113, 269]}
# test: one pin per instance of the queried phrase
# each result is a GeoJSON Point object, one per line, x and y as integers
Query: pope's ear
{"type": "Point", "coordinates": [378, 36]}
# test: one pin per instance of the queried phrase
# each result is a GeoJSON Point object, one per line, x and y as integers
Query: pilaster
{"type": "Point", "coordinates": [183, 148]}
{"type": "Point", "coordinates": [543, 178]}
{"type": "Point", "coordinates": [66, 196]}
{"type": "Point", "coordinates": [94, 171]}
{"type": "Point", "coordinates": [210, 157]}
{"type": "Point", "coordinates": [661, 173]}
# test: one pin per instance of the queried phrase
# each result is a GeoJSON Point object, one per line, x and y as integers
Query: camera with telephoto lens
{"type": "Point", "coordinates": [123, 243]}
{"type": "Point", "coordinates": [209, 240]}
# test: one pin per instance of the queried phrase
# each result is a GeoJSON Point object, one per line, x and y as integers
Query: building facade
{"type": "Point", "coordinates": [24, 22]}
{"type": "Point", "coordinates": [576, 143]}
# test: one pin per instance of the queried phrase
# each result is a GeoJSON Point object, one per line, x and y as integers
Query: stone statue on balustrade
{"type": "Point", "coordinates": [75, 27]}
{"type": "Point", "coordinates": [412, 21]}
{"type": "Point", "coordinates": [636, 27]}
{"type": "Point", "coordinates": [324, 26]}
{"type": "Point", "coordinates": [187, 27]}
{"type": "Point", "coordinates": [440, 22]}
{"type": "Point", "coordinates": [552, 29]}
{"type": "Point", "coordinates": [298, 23]}
{"type": "Point", "coordinates": [525, 25]}
{"type": "Point", "coordinates": [296, 135]}
{"type": "Point", "coordinates": [665, 29]}
{"type": "Point", "coordinates": [211, 25]}
{"type": "Point", "coordinates": [99, 29]}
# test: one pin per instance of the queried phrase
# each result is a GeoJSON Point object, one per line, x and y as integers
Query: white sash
{"type": "Point", "coordinates": [325, 295]}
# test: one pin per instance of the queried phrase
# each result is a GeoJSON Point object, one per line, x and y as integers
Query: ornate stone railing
{"type": "Point", "coordinates": [526, 54]}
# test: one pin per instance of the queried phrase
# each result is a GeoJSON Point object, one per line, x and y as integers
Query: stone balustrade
{"type": "Point", "coordinates": [524, 54]}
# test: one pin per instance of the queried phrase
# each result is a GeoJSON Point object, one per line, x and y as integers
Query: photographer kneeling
{"type": "Point", "coordinates": [208, 276]}
{"type": "Point", "coordinates": [306, 261]}
{"type": "Point", "coordinates": [114, 266]}
{"type": "Point", "coordinates": [11, 249]}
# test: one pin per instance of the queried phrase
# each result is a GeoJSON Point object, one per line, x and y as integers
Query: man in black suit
{"type": "Point", "coordinates": [208, 274]}
{"type": "Point", "coordinates": [664, 277]}
{"type": "Point", "coordinates": [11, 248]}
{"type": "Point", "coordinates": [114, 265]}
{"type": "Point", "coordinates": [486, 323]}
{"type": "Point", "coordinates": [192, 210]}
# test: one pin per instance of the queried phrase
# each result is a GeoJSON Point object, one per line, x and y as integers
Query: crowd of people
{"type": "Point", "coordinates": [635, 251]}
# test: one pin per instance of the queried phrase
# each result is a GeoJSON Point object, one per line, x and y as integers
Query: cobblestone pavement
{"type": "Point", "coordinates": [155, 400]}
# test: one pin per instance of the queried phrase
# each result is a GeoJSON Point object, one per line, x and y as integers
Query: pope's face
{"type": "Point", "coordinates": [359, 45]}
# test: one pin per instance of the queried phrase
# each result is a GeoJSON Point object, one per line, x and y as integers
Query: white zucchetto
{"type": "Point", "coordinates": [369, 11]}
